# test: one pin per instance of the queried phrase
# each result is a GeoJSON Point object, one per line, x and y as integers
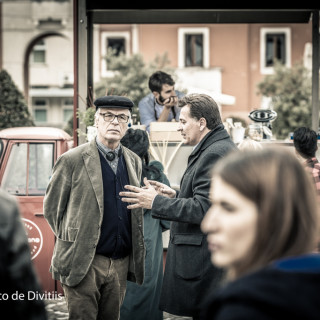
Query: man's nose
{"type": "Point", "coordinates": [115, 118]}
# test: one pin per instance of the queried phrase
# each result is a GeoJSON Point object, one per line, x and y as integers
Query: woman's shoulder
{"type": "Point", "coordinates": [307, 263]}
{"type": "Point", "coordinates": [280, 274]}
{"type": "Point", "coordinates": [271, 288]}
{"type": "Point", "coordinates": [266, 294]}
{"type": "Point", "coordinates": [157, 164]}
{"type": "Point", "coordinates": [156, 172]}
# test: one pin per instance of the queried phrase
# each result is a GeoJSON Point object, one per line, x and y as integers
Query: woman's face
{"type": "Point", "coordinates": [230, 224]}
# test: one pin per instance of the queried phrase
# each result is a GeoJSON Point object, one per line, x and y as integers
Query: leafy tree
{"type": "Point", "coordinates": [131, 76]}
{"type": "Point", "coordinates": [290, 93]}
{"type": "Point", "coordinates": [69, 126]}
{"type": "Point", "coordinates": [13, 108]}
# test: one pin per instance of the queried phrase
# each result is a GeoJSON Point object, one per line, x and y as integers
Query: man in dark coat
{"type": "Point", "coordinates": [189, 271]}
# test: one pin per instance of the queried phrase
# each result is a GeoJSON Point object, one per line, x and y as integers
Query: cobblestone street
{"type": "Point", "coordinates": [57, 310]}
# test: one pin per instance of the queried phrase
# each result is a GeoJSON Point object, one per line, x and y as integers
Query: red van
{"type": "Point", "coordinates": [27, 155]}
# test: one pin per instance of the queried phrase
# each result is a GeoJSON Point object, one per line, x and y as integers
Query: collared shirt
{"type": "Point", "coordinates": [313, 166]}
{"type": "Point", "coordinates": [150, 110]}
{"type": "Point", "coordinates": [104, 150]}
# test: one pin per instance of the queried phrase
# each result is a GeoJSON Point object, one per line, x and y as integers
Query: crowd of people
{"type": "Point", "coordinates": [244, 223]}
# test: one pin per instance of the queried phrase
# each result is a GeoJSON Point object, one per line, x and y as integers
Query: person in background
{"type": "Point", "coordinates": [305, 141]}
{"type": "Point", "coordinates": [99, 242]}
{"type": "Point", "coordinates": [142, 302]}
{"type": "Point", "coordinates": [188, 272]}
{"type": "Point", "coordinates": [262, 226]}
{"type": "Point", "coordinates": [17, 274]}
{"type": "Point", "coordinates": [162, 103]}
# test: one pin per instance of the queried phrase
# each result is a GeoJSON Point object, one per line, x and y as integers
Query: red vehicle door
{"type": "Point", "coordinates": [26, 167]}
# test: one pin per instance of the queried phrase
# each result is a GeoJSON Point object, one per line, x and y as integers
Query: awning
{"type": "Point", "coordinates": [220, 98]}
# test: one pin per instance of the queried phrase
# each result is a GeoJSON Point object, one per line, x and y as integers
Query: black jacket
{"type": "Point", "coordinates": [18, 281]}
{"type": "Point", "coordinates": [273, 293]}
{"type": "Point", "coordinates": [188, 271]}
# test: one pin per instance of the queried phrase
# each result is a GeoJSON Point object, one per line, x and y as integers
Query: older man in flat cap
{"type": "Point", "coordinates": [99, 242]}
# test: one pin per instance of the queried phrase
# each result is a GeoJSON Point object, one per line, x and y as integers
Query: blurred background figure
{"type": "Point", "coordinates": [18, 279]}
{"type": "Point", "coordinates": [262, 228]}
{"type": "Point", "coordinates": [142, 302]}
{"type": "Point", "coordinates": [248, 143]}
{"type": "Point", "coordinates": [162, 103]}
{"type": "Point", "coordinates": [305, 141]}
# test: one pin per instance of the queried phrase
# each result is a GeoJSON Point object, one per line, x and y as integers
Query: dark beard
{"type": "Point", "coordinates": [161, 100]}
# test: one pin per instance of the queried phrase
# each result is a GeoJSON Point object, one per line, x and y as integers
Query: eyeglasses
{"type": "Point", "coordinates": [109, 117]}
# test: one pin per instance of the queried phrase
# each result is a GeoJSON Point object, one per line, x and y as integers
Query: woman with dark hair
{"type": "Point", "coordinates": [262, 228]}
{"type": "Point", "coordinates": [305, 142]}
{"type": "Point", "coordinates": [142, 302]}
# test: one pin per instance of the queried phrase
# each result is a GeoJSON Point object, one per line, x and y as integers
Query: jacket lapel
{"type": "Point", "coordinates": [91, 161]}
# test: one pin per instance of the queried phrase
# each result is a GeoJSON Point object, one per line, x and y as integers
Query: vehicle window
{"type": "Point", "coordinates": [14, 179]}
{"type": "Point", "coordinates": [29, 168]}
{"type": "Point", "coordinates": [40, 167]}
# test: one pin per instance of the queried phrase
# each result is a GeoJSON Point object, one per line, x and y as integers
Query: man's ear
{"type": "Point", "coordinates": [155, 93]}
{"type": "Point", "coordinates": [203, 123]}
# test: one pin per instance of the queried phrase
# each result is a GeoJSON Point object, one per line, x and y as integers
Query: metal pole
{"type": "Point", "coordinates": [75, 72]}
{"type": "Point", "coordinates": [82, 63]}
{"type": "Point", "coordinates": [90, 61]}
{"type": "Point", "coordinates": [315, 70]}
{"type": "Point", "coordinates": [1, 44]}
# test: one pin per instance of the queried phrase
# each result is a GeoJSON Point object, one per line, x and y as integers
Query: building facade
{"type": "Point", "coordinates": [37, 51]}
{"type": "Point", "coordinates": [226, 61]}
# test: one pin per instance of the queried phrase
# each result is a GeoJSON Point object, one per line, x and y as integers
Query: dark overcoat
{"type": "Point", "coordinates": [188, 270]}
